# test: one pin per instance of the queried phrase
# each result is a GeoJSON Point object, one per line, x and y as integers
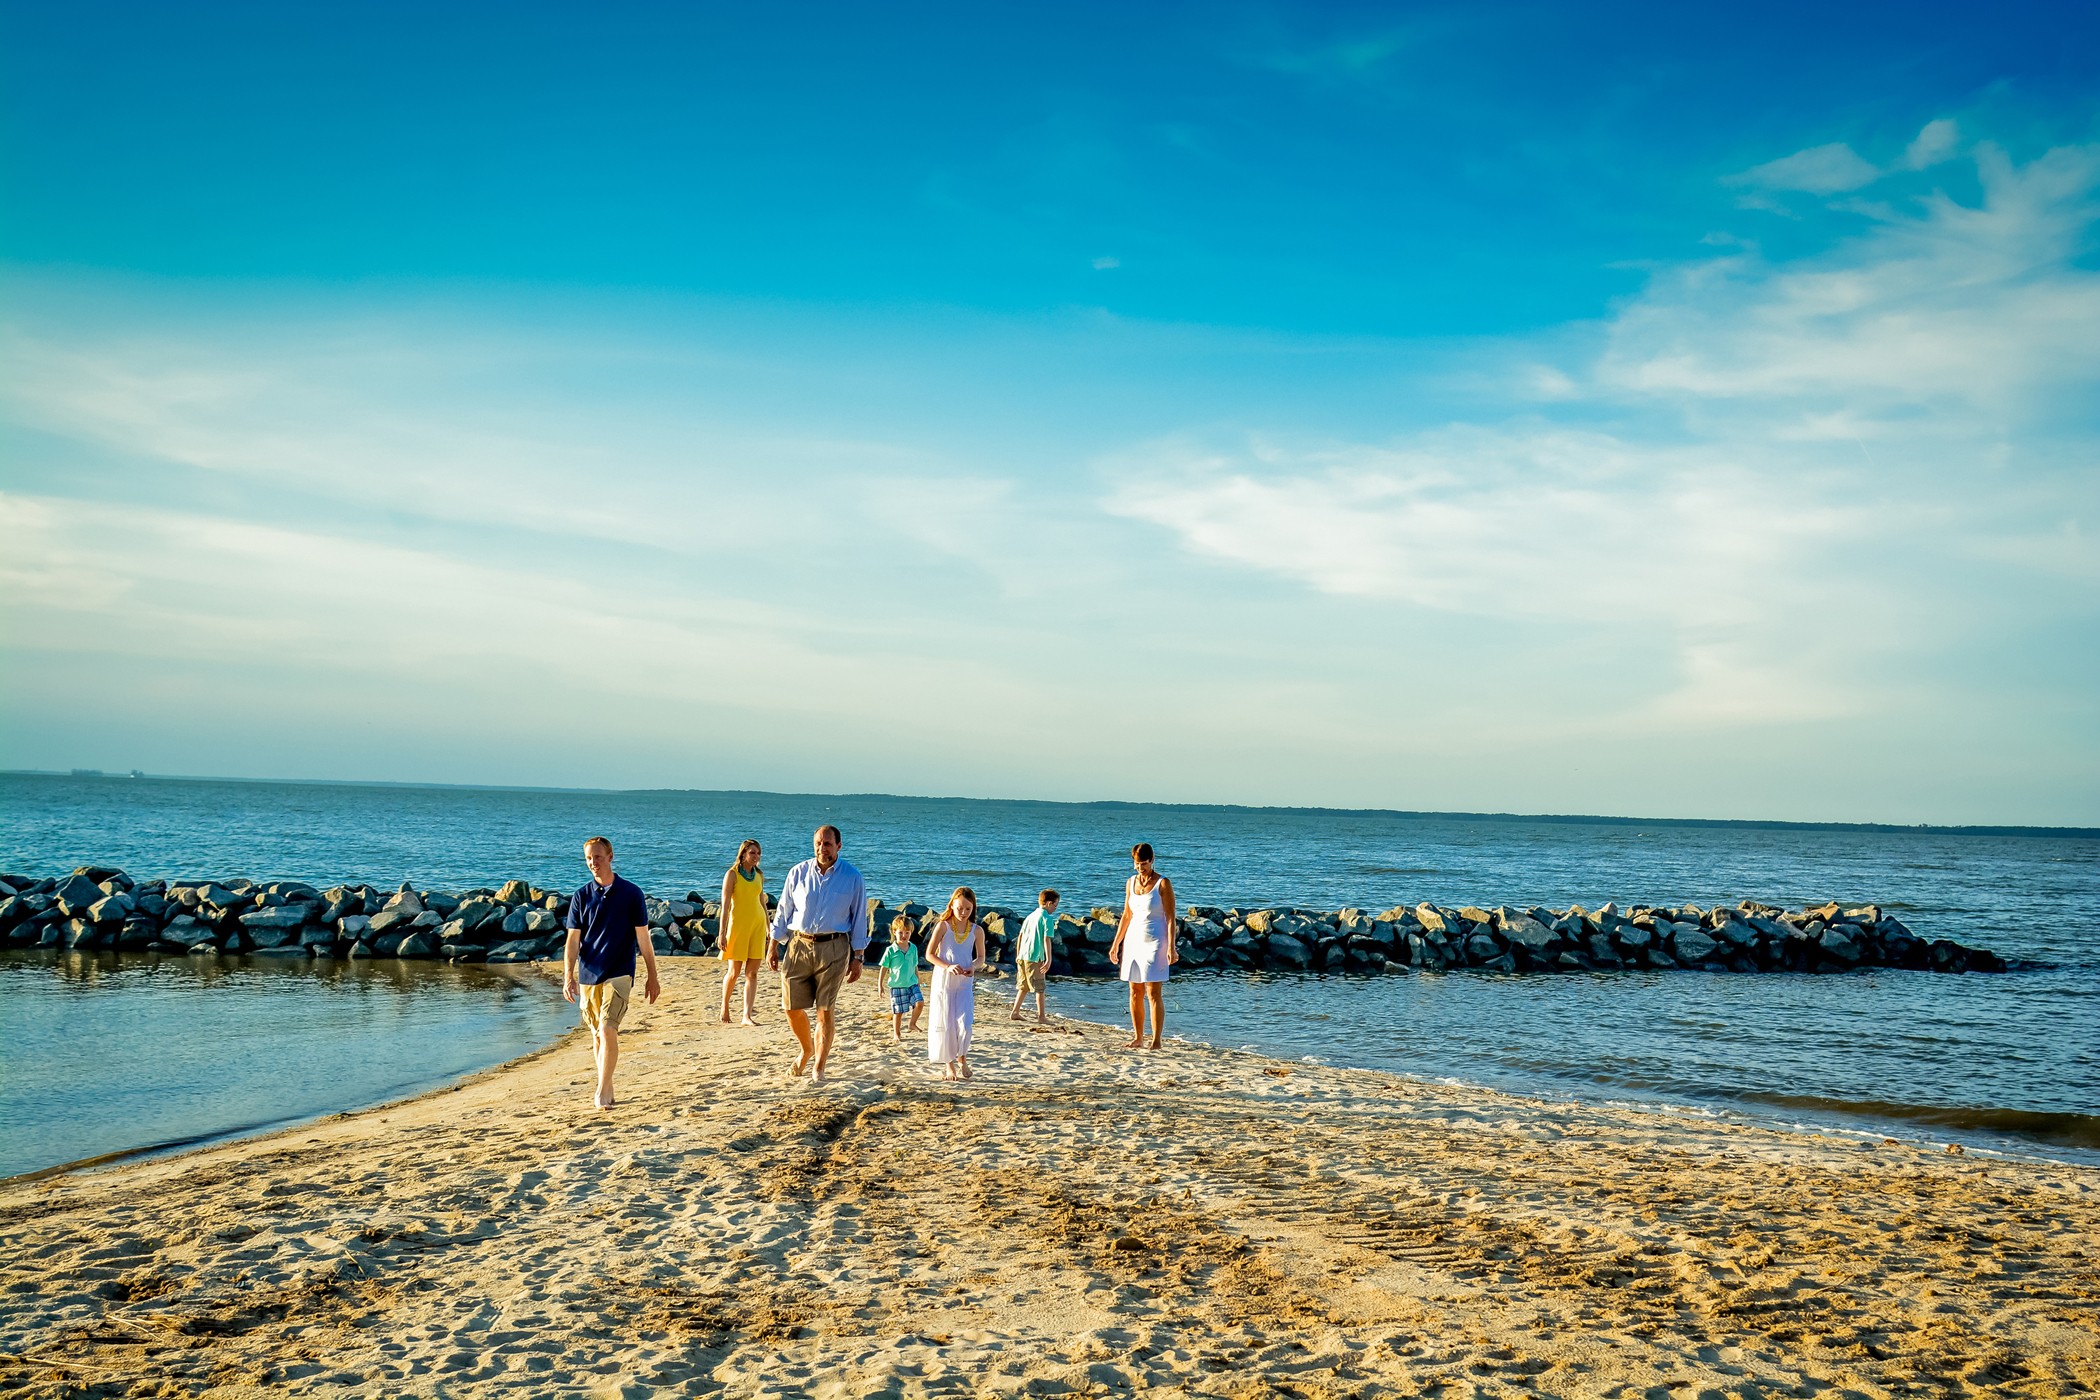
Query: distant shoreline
{"type": "Point", "coordinates": [2075, 833]}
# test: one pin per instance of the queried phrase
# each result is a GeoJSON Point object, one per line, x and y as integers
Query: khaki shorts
{"type": "Point", "coordinates": [605, 1003]}
{"type": "Point", "coordinates": [811, 973]}
{"type": "Point", "coordinates": [1030, 976]}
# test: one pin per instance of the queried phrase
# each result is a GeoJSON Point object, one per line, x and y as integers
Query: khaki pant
{"type": "Point", "coordinates": [605, 1003]}
{"type": "Point", "coordinates": [1030, 976]}
{"type": "Point", "coordinates": [811, 973]}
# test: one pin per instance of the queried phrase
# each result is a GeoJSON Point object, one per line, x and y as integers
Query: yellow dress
{"type": "Point", "coordinates": [743, 921]}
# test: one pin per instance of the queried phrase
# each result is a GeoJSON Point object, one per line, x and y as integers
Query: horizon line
{"type": "Point", "coordinates": [1559, 818]}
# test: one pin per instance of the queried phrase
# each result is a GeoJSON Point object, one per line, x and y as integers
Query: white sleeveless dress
{"type": "Point", "coordinates": [951, 1001]}
{"type": "Point", "coordinates": [1145, 941]}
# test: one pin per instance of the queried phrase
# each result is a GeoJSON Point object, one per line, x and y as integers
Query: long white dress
{"type": "Point", "coordinates": [1145, 941]}
{"type": "Point", "coordinates": [951, 1000]}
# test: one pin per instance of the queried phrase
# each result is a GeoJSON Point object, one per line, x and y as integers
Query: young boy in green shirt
{"type": "Point", "coordinates": [900, 974]}
{"type": "Point", "coordinates": [1032, 955]}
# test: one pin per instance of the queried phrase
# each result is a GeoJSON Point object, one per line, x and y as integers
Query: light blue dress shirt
{"type": "Point", "coordinates": [823, 901]}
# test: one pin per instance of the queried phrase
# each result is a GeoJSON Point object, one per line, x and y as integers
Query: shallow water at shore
{"type": "Point", "coordinates": [2007, 1063]}
{"type": "Point", "coordinates": [106, 1054]}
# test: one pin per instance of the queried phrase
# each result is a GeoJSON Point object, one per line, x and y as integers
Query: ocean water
{"type": "Point", "coordinates": [105, 1054]}
{"type": "Point", "coordinates": [2009, 1062]}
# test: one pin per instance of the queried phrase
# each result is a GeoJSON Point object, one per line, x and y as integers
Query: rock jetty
{"type": "Point", "coordinates": [101, 908]}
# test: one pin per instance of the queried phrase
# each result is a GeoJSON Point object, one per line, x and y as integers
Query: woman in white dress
{"type": "Point", "coordinates": [1144, 946]}
{"type": "Point", "coordinates": [956, 945]}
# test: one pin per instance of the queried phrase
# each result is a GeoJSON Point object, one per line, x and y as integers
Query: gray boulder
{"type": "Point", "coordinates": [543, 921]}
{"type": "Point", "coordinates": [423, 943]}
{"type": "Point", "coordinates": [1691, 945]}
{"type": "Point", "coordinates": [472, 914]}
{"type": "Point", "coordinates": [1482, 949]}
{"type": "Point", "coordinates": [514, 922]}
{"type": "Point", "coordinates": [270, 936]}
{"type": "Point", "coordinates": [659, 913]}
{"type": "Point", "coordinates": [354, 926]}
{"type": "Point", "coordinates": [78, 894]}
{"type": "Point", "coordinates": [1289, 950]}
{"type": "Point", "coordinates": [1837, 944]}
{"type": "Point", "coordinates": [518, 950]}
{"type": "Point", "coordinates": [360, 949]}
{"type": "Point", "coordinates": [1524, 930]}
{"type": "Point", "coordinates": [110, 909]}
{"type": "Point", "coordinates": [284, 916]}
{"type": "Point", "coordinates": [515, 892]}
{"type": "Point", "coordinates": [404, 899]}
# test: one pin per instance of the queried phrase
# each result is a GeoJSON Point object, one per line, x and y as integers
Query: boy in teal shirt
{"type": "Point", "coordinates": [1032, 955]}
{"type": "Point", "coordinates": [900, 975]}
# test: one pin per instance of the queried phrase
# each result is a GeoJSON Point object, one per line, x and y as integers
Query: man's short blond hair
{"type": "Point", "coordinates": [605, 841]}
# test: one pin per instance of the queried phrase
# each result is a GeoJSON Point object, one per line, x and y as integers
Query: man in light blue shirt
{"type": "Point", "coordinates": [820, 934]}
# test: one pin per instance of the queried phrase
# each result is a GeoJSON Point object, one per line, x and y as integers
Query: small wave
{"type": "Point", "coordinates": [2061, 1129]}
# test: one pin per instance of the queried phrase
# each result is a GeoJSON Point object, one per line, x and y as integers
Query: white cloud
{"type": "Point", "coordinates": [1803, 457]}
{"type": "Point", "coordinates": [1936, 141]}
{"type": "Point", "coordinates": [1949, 307]}
{"type": "Point", "coordinates": [1830, 169]}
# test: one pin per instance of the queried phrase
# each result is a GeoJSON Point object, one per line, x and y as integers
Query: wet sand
{"type": "Point", "coordinates": [1079, 1219]}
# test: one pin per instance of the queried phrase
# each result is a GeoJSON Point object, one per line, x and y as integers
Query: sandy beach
{"type": "Point", "coordinates": [1077, 1220]}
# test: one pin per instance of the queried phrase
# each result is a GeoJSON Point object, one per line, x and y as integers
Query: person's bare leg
{"type": "Point", "coordinates": [750, 990]}
{"type": "Point", "coordinates": [798, 1022]}
{"type": "Point", "coordinates": [897, 1026]}
{"type": "Point", "coordinates": [608, 1056]}
{"type": "Point", "coordinates": [962, 1066]}
{"type": "Point", "coordinates": [1156, 993]}
{"type": "Point", "coordinates": [1137, 1017]}
{"type": "Point", "coordinates": [1042, 1011]}
{"type": "Point", "coordinates": [597, 1060]}
{"type": "Point", "coordinates": [824, 1031]}
{"type": "Point", "coordinates": [729, 984]}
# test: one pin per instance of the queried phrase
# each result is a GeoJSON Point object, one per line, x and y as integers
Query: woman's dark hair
{"type": "Point", "coordinates": [1141, 851]}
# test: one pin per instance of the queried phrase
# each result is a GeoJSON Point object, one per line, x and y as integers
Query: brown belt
{"type": "Point", "coordinates": [818, 937]}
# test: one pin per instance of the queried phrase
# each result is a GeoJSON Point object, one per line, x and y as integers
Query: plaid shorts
{"type": "Point", "coordinates": [903, 999]}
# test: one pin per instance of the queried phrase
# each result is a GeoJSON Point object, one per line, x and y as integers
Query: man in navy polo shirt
{"type": "Point", "coordinates": [608, 921]}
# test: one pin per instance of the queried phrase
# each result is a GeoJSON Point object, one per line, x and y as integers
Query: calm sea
{"type": "Point", "coordinates": [2008, 1061]}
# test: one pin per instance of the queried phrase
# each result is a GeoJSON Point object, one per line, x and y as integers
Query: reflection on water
{"type": "Point", "coordinates": [105, 1054]}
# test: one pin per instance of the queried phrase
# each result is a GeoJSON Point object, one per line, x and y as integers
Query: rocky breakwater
{"type": "Point", "coordinates": [101, 908]}
{"type": "Point", "coordinates": [1749, 937]}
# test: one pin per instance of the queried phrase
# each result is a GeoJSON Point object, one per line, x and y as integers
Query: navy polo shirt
{"type": "Point", "coordinates": [608, 916]}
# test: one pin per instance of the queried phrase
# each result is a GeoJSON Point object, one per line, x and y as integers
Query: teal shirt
{"type": "Point", "coordinates": [900, 966]}
{"type": "Point", "coordinates": [1035, 936]}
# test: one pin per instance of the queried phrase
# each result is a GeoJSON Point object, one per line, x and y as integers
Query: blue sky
{"type": "Point", "coordinates": [1623, 409]}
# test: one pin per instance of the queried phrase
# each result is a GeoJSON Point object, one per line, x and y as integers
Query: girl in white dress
{"type": "Point", "coordinates": [956, 945]}
{"type": "Point", "coordinates": [1144, 946]}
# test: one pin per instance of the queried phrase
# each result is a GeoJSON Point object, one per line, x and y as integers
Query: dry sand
{"type": "Point", "coordinates": [1079, 1219]}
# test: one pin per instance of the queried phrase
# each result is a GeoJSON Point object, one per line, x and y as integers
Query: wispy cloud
{"type": "Point", "coordinates": [1829, 169]}
{"type": "Point", "coordinates": [1949, 307]}
{"type": "Point", "coordinates": [1734, 511]}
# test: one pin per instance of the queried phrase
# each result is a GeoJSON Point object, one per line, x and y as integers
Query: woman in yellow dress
{"type": "Point", "coordinates": [741, 925]}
